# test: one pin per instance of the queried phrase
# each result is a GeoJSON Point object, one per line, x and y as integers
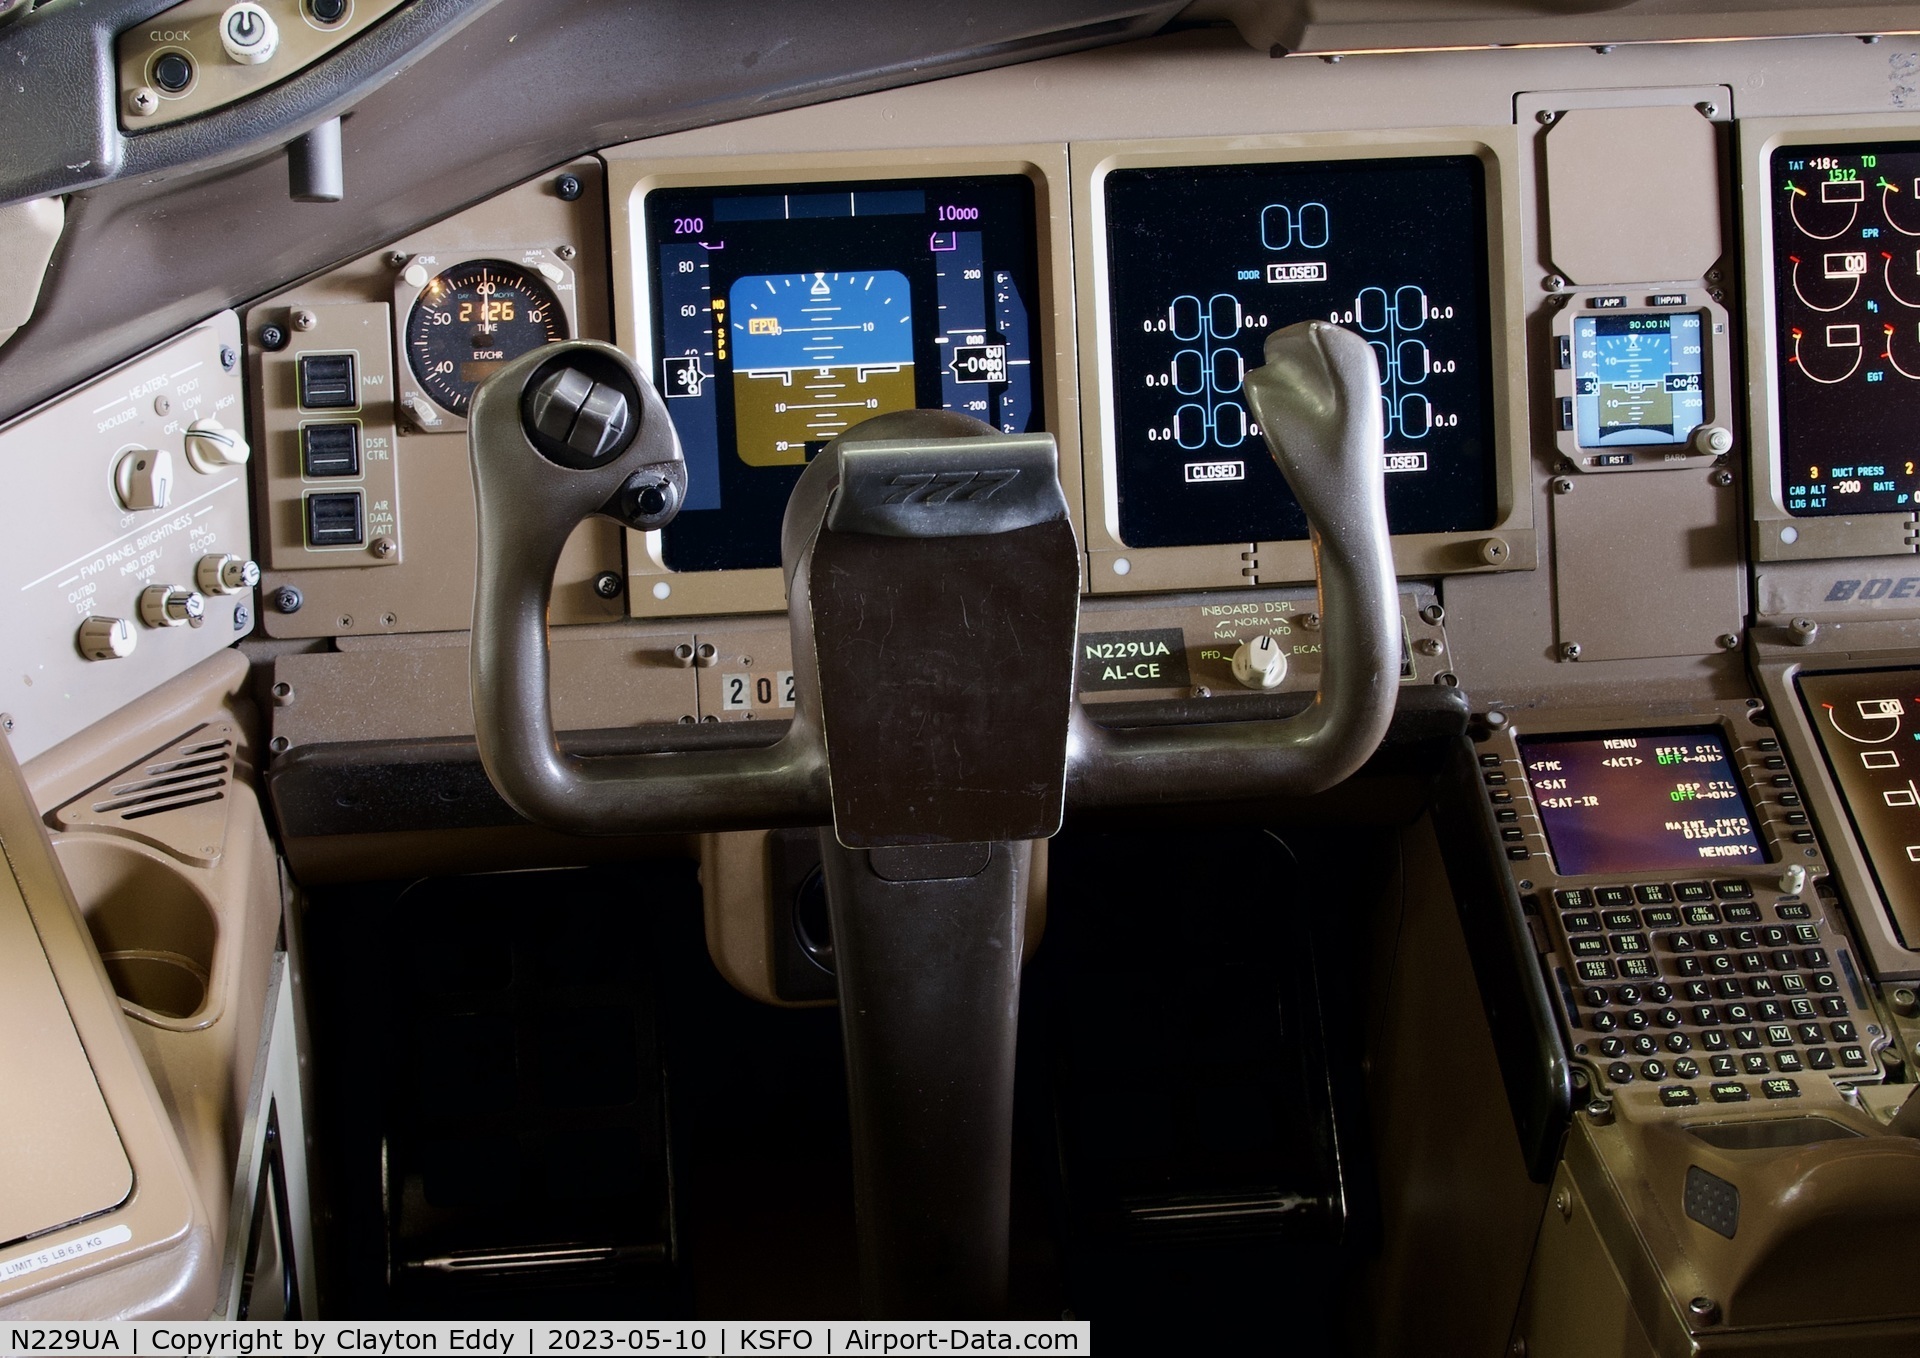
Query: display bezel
{"type": "Point", "coordinates": [1715, 375]}
{"type": "Point", "coordinates": [1732, 719]}
{"type": "Point", "coordinates": [1114, 567]}
{"type": "Point", "coordinates": [537, 260]}
{"type": "Point", "coordinates": [1779, 675]}
{"type": "Point", "coordinates": [1777, 534]}
{"type": "Point", "coordinates": [633, 175]}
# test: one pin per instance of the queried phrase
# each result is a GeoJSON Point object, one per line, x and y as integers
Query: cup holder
{"type": "Point", "coordinates": [155, 931]}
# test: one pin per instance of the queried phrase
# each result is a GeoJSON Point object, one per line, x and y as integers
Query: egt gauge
{"type": "Point", "coordinates": [467, 319]}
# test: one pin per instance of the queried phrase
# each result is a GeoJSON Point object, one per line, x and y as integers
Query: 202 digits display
{"type": "Point", "coordinates": [1204, 262]}
{"type": "Point", "coordinates": [1846, 288]}
{"type": "Point", "coordinates": [784, 314]}
{"type": "Point", "coordinates": [1640, 802]}
{"type": "Point", "coordinates": [1637, 378]}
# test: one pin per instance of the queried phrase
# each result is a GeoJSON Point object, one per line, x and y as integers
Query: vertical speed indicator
{"type": "Point", "coordinates": [473, 318]}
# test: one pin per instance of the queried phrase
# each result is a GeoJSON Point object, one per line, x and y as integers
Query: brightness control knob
{"type": "Point", "coordinates": [248, 33]}
{"type": "Point", "coordinates": [1260, 663]}
{"type": "Point", "coordinates": [221, 574]}
{"type": "Point", "coordinates": [211, 446]}
{"type": "Point", "coordinates": [171, 606]}
{"type": "Point", "coordinates": [107, 638]}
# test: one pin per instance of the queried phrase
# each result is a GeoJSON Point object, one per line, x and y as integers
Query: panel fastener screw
{"type": "Point", "coordinates": [1705, 1310]}
{"type": "Point", "coordinates": [568, 187]}
{"type": "Point", "coordinates": [228, 358]}
{"type": "Point", "coordinates": [1310, 621]}
{"type": "Point", "coordinates": [304, 319]}
{"type": "Point", "coordinates": [6, 721]}
{"type": "Point", "coordinates": [1563, 1202]}
{"type": "Point", "coordinates": [383, 547]}
{"type": "Point", "coordinates": [288, 599]}
{"type": "Point", "coordinates": [1570, 651]}
{"type": "Point", "coordinates": [1601, 1111]}
{"type": "Point", "coordinates": [607, 585]}
{"type": "Point", "coordinates": [1427, 646]}
{"type": "Point", "coordinates": [566, 252]}
{"type": "Point", "coordinates": [1545, 117]}
{"type": "Point", "coordinates": [1554, 282]}
{"type": "Point", "coordinates": [1432, 615]}
{"type": "Point", "coordinates": [143, 102]}
{"type": "Point", "coordinates": [1563, 485]}
{"type": "Point", "coordinates": [272, 338]}
{"type": "Point", "coordinates": [396, 258]}
{"type": "Point", "coordinates": [1729, 641]}
{"type": "Point", "coordinates": [1708, 108]}
{"type": "Point", "coordinates": [1722, 477]}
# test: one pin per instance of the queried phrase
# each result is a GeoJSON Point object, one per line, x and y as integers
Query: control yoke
{"type": "Point", "coordinates": [1317, 404]}
{"type": "Point", "coordinates": [933, 595]}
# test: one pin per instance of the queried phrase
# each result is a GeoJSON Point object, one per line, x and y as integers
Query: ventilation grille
{"type": "Point", "coordinates": [174, 799]}
{"type": "Point", "coordinates": [199, 774]}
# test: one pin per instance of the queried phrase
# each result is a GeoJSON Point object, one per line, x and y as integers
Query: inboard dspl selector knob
{"type": "Point", "coordinates": [1260, 663]}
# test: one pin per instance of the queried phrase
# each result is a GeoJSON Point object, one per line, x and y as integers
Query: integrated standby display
{"type": "Point", "coordinates": [1640, 802]}
{"type": "Point", "coordinates": [1203, 263]}
{"type": "Point", "coordinates": [785, 314]}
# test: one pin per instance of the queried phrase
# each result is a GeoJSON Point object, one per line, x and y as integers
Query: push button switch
{"type": "Point", "coordinates": [335, 520]}
{"type": "Point", "coordinates": [330, 449]}
{"type": "Point", "coordinates": [328, 382]}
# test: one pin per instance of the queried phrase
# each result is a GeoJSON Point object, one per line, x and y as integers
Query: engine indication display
{"type": "Point", "coordinates": [1846, 273]}
{"type": "Point", "coordinates": [785, 314]}
{"type": "Point", "coordinates": [472, 319]}
{"type": "Point", "coordinates": [1868, 725]}
{"type": "Point", "coordinates": [1637, 378]}
{"type": "Point", "coordinates": [1205, 262]}
{"type": "Point", "coordinates": [1640, 802]}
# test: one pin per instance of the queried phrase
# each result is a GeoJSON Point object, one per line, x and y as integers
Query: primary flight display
{"type": "Point", "coordinates": [785, 314]}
